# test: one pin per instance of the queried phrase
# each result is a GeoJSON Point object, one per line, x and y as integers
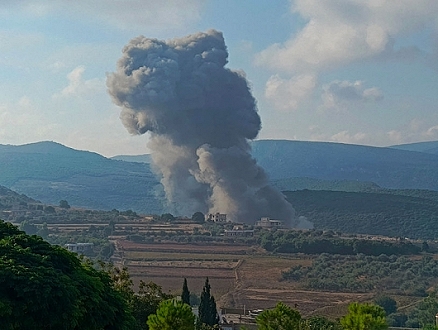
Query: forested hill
{"type": "Point", "coordinates": [387, 167]}
{"type": "Point", "coordinates": [368, 213]}
{"type": "Point", "coordinates": [49, 172]}
{"type": "Point", "coordinates": [9, 198]}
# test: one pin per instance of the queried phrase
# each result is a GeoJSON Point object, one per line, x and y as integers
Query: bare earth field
{"type": "Point", "coordinates": [239, 275]}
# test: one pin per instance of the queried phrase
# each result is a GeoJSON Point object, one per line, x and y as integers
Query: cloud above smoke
{"type": "Point", "coordinates": [286, 94]}
{"type": "Point", "coordinates": [340, 94]}
{"type": "Point", "coordinates": [200, 116]}
{"type": "Point", "coordinates": [342, 32]}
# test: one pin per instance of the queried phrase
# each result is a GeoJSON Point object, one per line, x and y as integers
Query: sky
{"type": "Point", "coordinates": [350, 71]}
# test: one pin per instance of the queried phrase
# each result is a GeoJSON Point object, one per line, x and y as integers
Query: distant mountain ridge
{"type": "Point", "coordinates": [386, 167]}
{"type": "Point", "coordinates": [49, 172]}
{"type": "Point", "coordinates": [430, 147]}
{"type": "Point", "coordinates": [146, 158]}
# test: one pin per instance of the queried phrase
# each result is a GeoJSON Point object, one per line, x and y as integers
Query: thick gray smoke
{"type": "Point", "coordinates": [200, 116]}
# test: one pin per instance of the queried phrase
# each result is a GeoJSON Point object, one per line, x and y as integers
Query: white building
{"type": "Point", "coordinates": [216, 217]}
{"type": "Point", "coordinates": [269, 223]}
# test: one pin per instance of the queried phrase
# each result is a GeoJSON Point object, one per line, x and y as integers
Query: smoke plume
{"type": "Point", "coordinates": [200, 116]}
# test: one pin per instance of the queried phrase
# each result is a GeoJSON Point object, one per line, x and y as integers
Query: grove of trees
{"type": "Point", "coordinates": [43, 286]}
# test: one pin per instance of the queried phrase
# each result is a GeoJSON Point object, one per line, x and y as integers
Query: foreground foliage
{"type": "Point", "coordinates": [172, 315]}
{"type": "Point", "coordinates": [141, 304]}
{"type": "Point", "coordinates": [207, 307]}
{"type": "Point", "coordinates": [364, 317]}
{"type": "Point", "coordinates": [281, 317]}
{"type": "Point", "coordinates": [46, 287]}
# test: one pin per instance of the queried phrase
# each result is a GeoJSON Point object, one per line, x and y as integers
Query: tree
{"type": "Point", "coordinates": [46, 287]}
{"type": "Point", "coordinates": [172, 315]}
{"type": "Point", "coordinates": [185, 295]}
{"type": "Point", "coordinates": [425, 247]}
{"type": "Point", "coordinates": [427, 309]}
{"type": "Point", "coordinates": [168, 217]}
{"type": "Point", "coordinates": [282, 317]}
{"type": "Point", "coordinates": [207, 306]}
{"type": "Point", "coordinates": [28, 227]}
{"type": "Point", "coordinates": [49, 209]}
{"type": "Point", "coordinates": [43, 231]}
{"type": "Point", "coordinates": [387, 303]}
{"type": "Point", "coordinates": [198, 217]}
{"type": "Point", "coordinates": [64, 204]}
{"type": "Point", "coordinates": [364, 317]}
{"type": "Point", "coordinates": [141, 304]}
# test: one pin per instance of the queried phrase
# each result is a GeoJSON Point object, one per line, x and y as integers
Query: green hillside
{"type": "Point", "coordinates": [387, 167]}
{"type": "Point", "coordinates": [49, 172]}
{"type": "Point", "coordinates": [368, 213]}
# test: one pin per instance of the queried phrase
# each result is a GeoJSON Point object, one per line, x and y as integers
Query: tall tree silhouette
{"type": "Point", "coordinates": [185, 295]}
{"type": "Point", "coordinates": [207, 307]}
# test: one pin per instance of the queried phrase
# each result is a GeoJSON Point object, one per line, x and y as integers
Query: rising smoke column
{"type": "Point", "coordinates": [200, 116]}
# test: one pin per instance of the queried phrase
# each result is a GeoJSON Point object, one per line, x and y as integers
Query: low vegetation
{"type": "Point", "coordinates": [360, 273]}
{"type": "Point", "coordinates": [368, 213]}
{"type": "Point", "coordinates": [317, 242]}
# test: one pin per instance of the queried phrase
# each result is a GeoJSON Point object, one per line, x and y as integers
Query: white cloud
{"type": "Point", "coordinates": [415, 131]}
{"type": "Point", "coordinates": [287, 94]}
{"type": "Point", "coordinates": [432, 132]}
{"type": "Point", "coordinates": [340, 94]}
{"type": "Point", "coordinates": [78, 86]}
{"type": "Point", "coordinates": [347, 137]}
{"type": "Point", "coordinates": [396, 137]}
{"type": "Point", "coordinates": [344, 31]}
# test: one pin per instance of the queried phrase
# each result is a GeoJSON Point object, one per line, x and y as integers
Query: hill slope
{"type": "Point", "coordinates": [389, 168]}
{"type": "Point", "coordinates": [430, 147]}
{"type": "Point", "coordinates": [368, 213]}
{"type": "Point", "coordinates": [50, 172]}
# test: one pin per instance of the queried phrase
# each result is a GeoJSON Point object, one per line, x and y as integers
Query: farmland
{"type": "Point", "coordinates": [240, 275]}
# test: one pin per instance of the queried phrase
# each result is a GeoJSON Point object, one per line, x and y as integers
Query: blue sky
{"type": "Point", "coordinates": [351, 71]}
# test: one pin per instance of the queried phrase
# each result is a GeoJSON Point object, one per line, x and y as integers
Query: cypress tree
{"type": "Point", "coordinates": [207, 307]}
{"type": "Point", "coordinates": [185, 295]}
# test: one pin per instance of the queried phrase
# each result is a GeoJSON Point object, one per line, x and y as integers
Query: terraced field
{"type": "Point", "coordinates": [239, 275]}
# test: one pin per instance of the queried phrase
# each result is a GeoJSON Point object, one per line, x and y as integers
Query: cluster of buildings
{"type": "Point", "coordinates": [239, 229]}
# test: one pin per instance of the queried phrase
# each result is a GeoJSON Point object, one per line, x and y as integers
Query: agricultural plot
{"type": "Point", "coordinates": [239, 275]}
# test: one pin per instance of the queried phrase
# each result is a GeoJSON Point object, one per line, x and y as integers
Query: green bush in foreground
{"type": "Point", "coordinates": [46, 287]}
{"type": "Point", "coordinates": [172, 315]}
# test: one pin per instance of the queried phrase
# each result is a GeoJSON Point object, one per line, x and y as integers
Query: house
{"type": "Point", "coordinates": [216, 217]}
{"type": "Point", "coordinates": [269, 223]}
{"type": "Point", "coordinates": [80, 247]}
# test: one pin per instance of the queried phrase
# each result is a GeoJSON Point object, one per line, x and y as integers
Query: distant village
{"type": "Point", "coordinates": [239, 229]}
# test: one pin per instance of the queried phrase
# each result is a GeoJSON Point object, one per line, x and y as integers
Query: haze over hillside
{"type": "Point", "coordinates": [49, 172]}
